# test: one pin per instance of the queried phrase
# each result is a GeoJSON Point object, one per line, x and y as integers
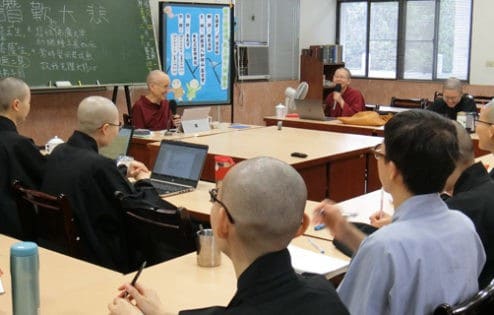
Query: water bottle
{"type": "Point", "coordinates": [24, 270]}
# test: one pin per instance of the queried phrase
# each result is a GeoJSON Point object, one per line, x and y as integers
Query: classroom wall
{"type": "Point", "coordinates": [482, 43]}
{"type": "Point", "coordinates": [317, 23]}
{"type": "Point", "coordinates": [55, 113]}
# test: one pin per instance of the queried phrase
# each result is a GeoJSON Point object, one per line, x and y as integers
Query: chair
{"type": "Point", "coordinates": [408, 102]}
{"type": "Point", "coordinates": [160, 235]}
{"type": "Point", "coordinates": [47, 220]}
{"type": "Point", "coordinates": [480, 303]}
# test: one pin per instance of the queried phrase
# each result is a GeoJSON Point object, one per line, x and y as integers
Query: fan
{"type": "Point", "coordinates": [292, 94]}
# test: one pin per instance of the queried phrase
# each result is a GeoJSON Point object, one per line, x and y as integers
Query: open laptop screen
{"type": "Point", "coordinates": [120, 145]}
{"type": "Point", "coordinates": [180, 161]}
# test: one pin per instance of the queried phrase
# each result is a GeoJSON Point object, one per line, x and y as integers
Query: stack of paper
{"type": "Point", "coordinates": [311, 262]}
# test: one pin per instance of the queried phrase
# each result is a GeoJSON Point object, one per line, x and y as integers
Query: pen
{"type": "Point", "coordinates": [136, 276]}
{"type": "Point", "coordinates": [316, 246]}
{"type": "Point", "coordinates": [319, 227]}
{"type": "Point", "coordinates": [381, 211]}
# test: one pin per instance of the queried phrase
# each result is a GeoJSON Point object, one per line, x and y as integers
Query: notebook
{"type": "Point", "coordinates": [306, 261]}
{"type": "Point", "coordinates": [120, 145]}
{"type": "Point", "coordinates": [195, 119]}
{"type": "Point", "coordinates": [178, 167]}
{"type": "Point", "coordinates": [311, 109]}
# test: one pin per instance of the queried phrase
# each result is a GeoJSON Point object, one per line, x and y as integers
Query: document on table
{"type": "Point", "coordinates": [306, 261]}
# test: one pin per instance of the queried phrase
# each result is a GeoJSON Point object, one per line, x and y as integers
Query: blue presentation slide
{"type": "Point", "coordinates": [196, 52]}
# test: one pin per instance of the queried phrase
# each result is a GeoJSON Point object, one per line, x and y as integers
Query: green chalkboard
{"type": "Point", "coordinates": [107, 42]}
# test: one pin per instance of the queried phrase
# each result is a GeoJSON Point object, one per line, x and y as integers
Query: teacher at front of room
{"type": "Point", "coordinates": [153, 111]}
{"type": "Point", "coordinates": [344, 100]}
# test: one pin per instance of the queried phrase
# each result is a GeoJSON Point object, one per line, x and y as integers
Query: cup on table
{"type": "Point", "coordinates": [208, 253]}
{"type": "Point", "coordinates": [124, 160]}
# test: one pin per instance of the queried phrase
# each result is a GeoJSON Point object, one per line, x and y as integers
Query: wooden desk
{"type": "Point", "coordinates": [138, 146]}
{"type": "Point", "coordinates": [358, 209]}
{"type": "Point", "coordinates": [335, 166]}
{"type": "Point", "coordinates": [67, 285]}
{"type": "Point", "coordinates": [338, 126]}
{"type": "Point", "coordinates": [70, 286]}
{"type": "Point", "coordinates": [331, 125]}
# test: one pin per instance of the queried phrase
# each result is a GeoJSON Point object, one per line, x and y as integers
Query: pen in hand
{"type": "Point", "coordinates": [381, 211]}
{"type": "Point", "coordinates": [136, 277]}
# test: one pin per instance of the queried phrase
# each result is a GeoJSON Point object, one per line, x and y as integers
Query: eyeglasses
{"type": "Point", "coordinates": [119, 125]}
{"type": "Point", "coordinates": [483, 122]}
{"type": "Point", "coordinates": [378, 152]}
{"type": "Point", "coordinates": [213, 193]}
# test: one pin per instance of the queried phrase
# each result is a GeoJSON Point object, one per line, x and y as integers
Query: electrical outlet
{"type": "Point", "coordinates": [489, 63]}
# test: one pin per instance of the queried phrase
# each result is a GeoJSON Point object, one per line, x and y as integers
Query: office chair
{"type": "Point", "coordinates": [47, 220]}
{"type": "Point", "coordinates": [479, 304]}
{"type": "Point", "coordinates": [160, 235]}
{"type": "Point", "coordinates": [408, 102]}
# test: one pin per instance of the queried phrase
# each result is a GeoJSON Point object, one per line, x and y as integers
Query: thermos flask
{"type": "Point", "coordinates": [24, 270]}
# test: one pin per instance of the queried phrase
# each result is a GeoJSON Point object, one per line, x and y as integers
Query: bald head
{"type": "Point", "coordinates": [488, 112]}
{"type": "Point", "coordinates": [93, 112]}
{"type": "Point", "coordinates": [157, 77]}
{"type": "Point", "coordinates": [346, 71]}
{"type": "Point", "coordinates": [267, 198]}
{"type": "Point", "coordinates": [11, 89]}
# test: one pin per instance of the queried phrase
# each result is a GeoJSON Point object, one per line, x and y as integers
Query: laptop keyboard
{"type": "Point", "coordinates": [168, 189]}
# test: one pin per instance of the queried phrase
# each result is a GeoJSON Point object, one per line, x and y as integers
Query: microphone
{"type": "Point", "coordinates": [337, 88]}
{"type": "Point", "coordinates": [173, 107]}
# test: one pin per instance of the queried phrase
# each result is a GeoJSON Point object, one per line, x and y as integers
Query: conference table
{"type": "Point", "coordinates": [338, 126]}
{"type": "Point", "coordinates": [138, 145]}
{"type": "Point", "coordinates": [357, 209]}
{"type": "Point", "coordinates": [324, 125]}
{"type": "Point", "coordinates": [71, 286]}
{"type": "Point", "coordinates": [335, 166]}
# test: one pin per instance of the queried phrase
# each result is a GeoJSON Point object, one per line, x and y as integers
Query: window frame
{"type": "Point", "coordinates": [400, 46]}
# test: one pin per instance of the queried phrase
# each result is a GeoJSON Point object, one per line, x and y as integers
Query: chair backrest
{"type": "Point", "coordinates": [47, 220]}
{"type": "Point", "coordinates": [408, 102]}
{"type": "Point", "coordinates": [160, 235]}
{"type": "Point", "coordinates": [480, 303]}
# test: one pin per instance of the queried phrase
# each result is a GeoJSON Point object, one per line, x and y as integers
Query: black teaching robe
{"type": "Point", "coordinates": [90, 180]}
{"type": "Point", "coordinates": [473, 195]}
{"type": "Point", "coordinates": [271, 286]}
{"type": "Point", "coordinates": [19, 159]}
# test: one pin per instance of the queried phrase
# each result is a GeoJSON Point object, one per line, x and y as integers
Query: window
{"type": "Point", "coordinates": [406, 39]}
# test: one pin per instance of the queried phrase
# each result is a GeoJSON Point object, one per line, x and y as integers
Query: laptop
{"type": "Point", "coordinates": [178, 167]}
{"type": "Point", "coordinates": [311, 109]}
{"type": "Point", "coordinates": [120, 145]}
{"type": "Point", "coordinates": [195, 119]}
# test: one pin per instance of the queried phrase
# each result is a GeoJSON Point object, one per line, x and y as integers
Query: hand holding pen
{"type": "Point", "coordinates": [380, 218]}
{"type": "Point", "coordinates": [134, 280]}
{"type": "Point", "coordinates": [328, 214]}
